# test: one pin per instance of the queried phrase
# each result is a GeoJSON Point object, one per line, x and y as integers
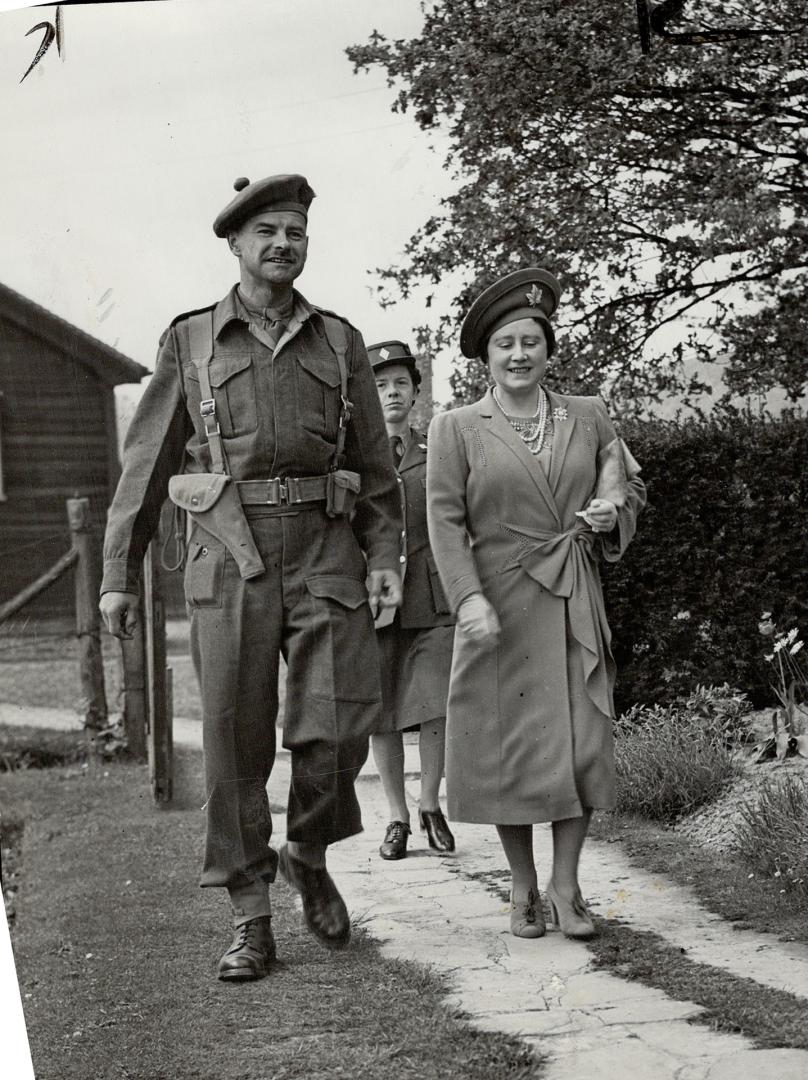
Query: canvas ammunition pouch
{"type": "Point", "coordinates": [211, 500]}
{"type": "Point", "coordinates": [342, 487]}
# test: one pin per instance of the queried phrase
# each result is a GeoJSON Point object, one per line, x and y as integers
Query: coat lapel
{"type": "Point", "coordinates": [500, 428]}
{"type": "Point", "coordinates": [562, 433]}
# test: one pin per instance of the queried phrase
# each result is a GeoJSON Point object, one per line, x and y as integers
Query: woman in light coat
{"type": "Point", "coordinates": [527, 491]}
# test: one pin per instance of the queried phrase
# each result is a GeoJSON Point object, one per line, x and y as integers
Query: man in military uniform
{"type": "Point", "coordinates": [263, 421]}
{"type": "Point", "coordinates": [415, 643]}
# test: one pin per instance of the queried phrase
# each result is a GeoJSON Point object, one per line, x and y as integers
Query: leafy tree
{"type": "Point", "coordinates": [668, 191]}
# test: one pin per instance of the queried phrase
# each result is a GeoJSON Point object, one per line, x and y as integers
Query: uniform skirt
{"type": "Point", "coordinates": [415, 667]}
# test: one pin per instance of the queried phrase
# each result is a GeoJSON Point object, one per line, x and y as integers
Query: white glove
{"type": "Point", "coordinates": [600, 515]}
{"type": "Point", "coordinates": [478, 620]}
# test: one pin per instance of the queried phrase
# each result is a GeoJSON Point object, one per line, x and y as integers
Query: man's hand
{"type": "Point", "coordinates": [477, 619]}
{"type": "Point", "coordinates": [384, 590]}
{"type": "Point", "coordinates": [121, 613]}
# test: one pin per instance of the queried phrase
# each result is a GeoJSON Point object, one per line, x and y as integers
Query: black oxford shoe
{"type": "Point", "coordinates": [394, 845]}
{"type": "Point", "coordinates": [433, 823]}
{"type": "Point", "coordinates": [251, 953]}
{"type": "Point", "coordinates": [323, 908]}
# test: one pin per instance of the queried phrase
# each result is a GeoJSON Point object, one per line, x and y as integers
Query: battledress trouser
{"type": "Point", "coordinates": [310, 606]}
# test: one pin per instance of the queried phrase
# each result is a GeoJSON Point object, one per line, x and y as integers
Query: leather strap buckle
{"type": "Point", "coordinates": [207, 410]}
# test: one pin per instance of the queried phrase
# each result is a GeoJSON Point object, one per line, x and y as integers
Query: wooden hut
{"type": "Point", "coordinates": [57, 439]}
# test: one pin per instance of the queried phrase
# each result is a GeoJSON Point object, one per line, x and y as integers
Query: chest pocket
{"type": "Point", "coordinates": [232, 381]}
{"type": "Point", "coordinates": [317, 376]}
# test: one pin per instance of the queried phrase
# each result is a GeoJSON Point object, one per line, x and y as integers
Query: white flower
{"type": "Point", "coordinates": [682, 616]}
{"type": "Point", "coordinates": [778, 645]}
{"type": "Point", "coordinates": [795, 648]}
{"type": "Point", "coordinates": [769, 656]}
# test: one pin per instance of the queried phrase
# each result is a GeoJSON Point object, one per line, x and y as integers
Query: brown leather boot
{"type": "Point", "coordinates": [323, 908]}
{"type": "Point", "coordinates": [251, 953]}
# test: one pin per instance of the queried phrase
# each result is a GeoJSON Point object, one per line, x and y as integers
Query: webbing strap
{"type": "Point", "coordinates": [338, 340]}
{"type": "Point", "coordinates": [200, 332]}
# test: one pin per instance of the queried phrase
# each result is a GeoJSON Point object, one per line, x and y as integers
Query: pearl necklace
{"type": "Point", "coordinates": [530, 429]}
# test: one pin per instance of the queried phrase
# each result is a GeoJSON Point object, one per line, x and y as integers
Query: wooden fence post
{"type": "Point", "coordinates": [135, 705]}
{"type": "Point", "coordinates": [88, 618]}
{"type": "Point", "coordinates": [158, 679]}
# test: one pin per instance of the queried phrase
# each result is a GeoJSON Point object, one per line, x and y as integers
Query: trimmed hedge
{"type": "Point", "coordinates": [724, 537]}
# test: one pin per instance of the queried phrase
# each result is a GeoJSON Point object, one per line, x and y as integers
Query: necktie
{"type": "Point", "coordinates": [397, 448]}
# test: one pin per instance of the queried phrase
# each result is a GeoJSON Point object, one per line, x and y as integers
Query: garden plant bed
{"type": "Point", "coordinates": [713, 827]}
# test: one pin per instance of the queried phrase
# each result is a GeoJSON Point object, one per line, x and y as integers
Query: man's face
{"type": "Point", "coordinates": [396, 392]}
{"type": "Point", "coordinates": [271, 247]}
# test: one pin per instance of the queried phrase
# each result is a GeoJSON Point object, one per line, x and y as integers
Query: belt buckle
{"type": "Point", "coordinates": [276, 491]}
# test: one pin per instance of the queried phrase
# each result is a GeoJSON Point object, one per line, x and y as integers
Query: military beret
{"type": "Point", "coordinates": [531, 293]}
{"type": "Point", "coordinates": [394, 352]}
{"type": "Point", "coordinates": [286, 192]}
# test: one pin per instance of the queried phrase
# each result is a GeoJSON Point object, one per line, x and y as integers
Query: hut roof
{"type": "Point", "coordinates": [108, 364]}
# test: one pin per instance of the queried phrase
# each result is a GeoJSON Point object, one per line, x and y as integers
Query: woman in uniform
{"type": "Point", "coordinates": [415, 643]}
{"type": "Point", "coordinates": [528, 490]}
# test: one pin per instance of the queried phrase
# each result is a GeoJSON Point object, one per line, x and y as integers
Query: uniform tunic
{"type": "Point", "coordinates": [277, 402]}
{"type": "Point", "coordinates": [529, 734]}
{"type": "Point", "coordinates": [416, 647]}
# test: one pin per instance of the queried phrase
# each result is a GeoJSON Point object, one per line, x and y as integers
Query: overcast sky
{"type": "Point", "coordinates": [118, 156]}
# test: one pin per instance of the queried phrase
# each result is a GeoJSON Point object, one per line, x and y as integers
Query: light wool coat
{"type": "Point", "coordinates": [529, 724]}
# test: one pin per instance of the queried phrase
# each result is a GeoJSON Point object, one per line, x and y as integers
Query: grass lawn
{"type": "Point", "coordinates": [116, 949]}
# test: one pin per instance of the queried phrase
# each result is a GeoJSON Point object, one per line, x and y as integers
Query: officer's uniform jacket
{"type": "Point", "coordinates": [424, 602]}
{"type": "Point", "coordinates": [278, 412]}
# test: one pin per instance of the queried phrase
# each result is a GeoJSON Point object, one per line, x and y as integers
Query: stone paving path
{"type": "Point", "coordinates": [437, 910]}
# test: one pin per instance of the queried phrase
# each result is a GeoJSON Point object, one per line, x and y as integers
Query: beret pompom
{"type": "Point", "coordinates": [288, 191]}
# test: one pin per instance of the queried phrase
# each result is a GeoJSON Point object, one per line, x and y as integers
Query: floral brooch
{"type": "Point", "coordinates": [560, 413]}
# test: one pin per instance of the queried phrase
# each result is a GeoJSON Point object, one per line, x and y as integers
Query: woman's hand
{"type": "Point", "coordinates": [478, 620]}
{"type": "Point", "coordinates": [601, 515]}
{"type": "Point", "coordinates": [384, 590]}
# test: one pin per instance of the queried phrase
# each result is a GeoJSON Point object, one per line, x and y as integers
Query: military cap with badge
{"type": "Point", "coordinates": [385, 353]}
{"type": "Point", "coordinates": [532, 293]}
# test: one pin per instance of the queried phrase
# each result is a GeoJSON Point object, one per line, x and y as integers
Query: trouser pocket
{"type": "Point", "coordinates": [204, 573]}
